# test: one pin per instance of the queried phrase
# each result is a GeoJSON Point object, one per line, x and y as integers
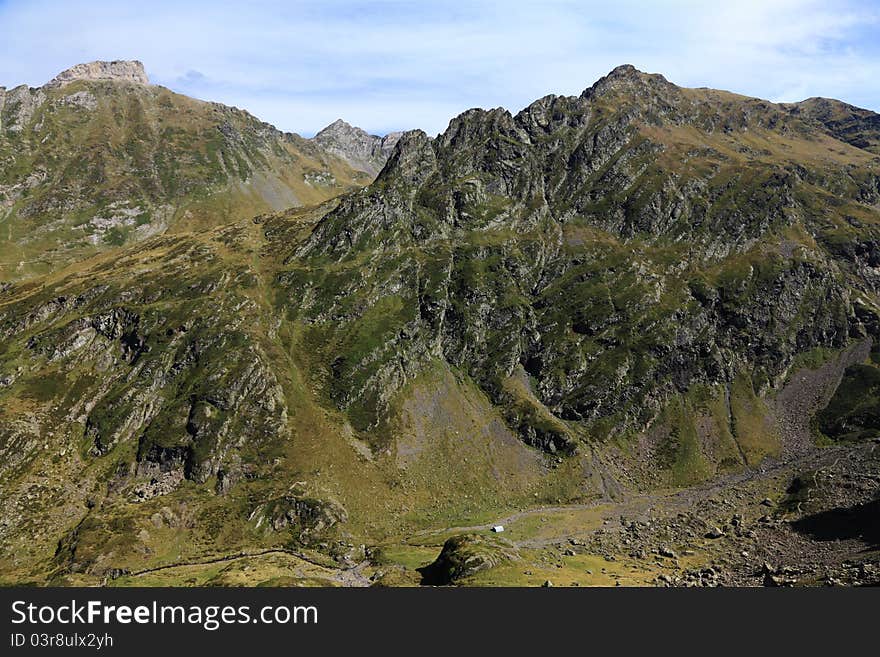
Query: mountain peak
{"type": "Point", "coordinates": [117, 70]}
{"type": "Point", "coordinates": [624, 70]}
{"type": "Point", "coordinates": [339, 124]}
{"type": "Point", "coordinates": [356, 146]}
{"type": "Point", "coordinates": [627, 77]}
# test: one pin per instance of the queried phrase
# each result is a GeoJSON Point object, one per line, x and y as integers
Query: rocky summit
{"type": "Point", "coordinates": [635, 331]}
{"type": "Point", "coordinates": [120, 71]}
{"type": "Point", "coordinates": [361, 150]}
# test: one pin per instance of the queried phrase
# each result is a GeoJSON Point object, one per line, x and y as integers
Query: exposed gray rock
{"type": "Point", "coordinates": [853, 125]}
{"type": "Point", "coordinates": [82, 99]}
{"type": "Point", "coordinates": [19, 106]}
{"type": "Point", "coordinates": [360, 149]}
{"type": "Point", "coordinates": [586, 264]}
{"type": "Point", "coordinates": [87, 175]}
{"type": "Point", "coordinates": [305, 515]}
{"type": "Point", "coordinates": [565, 171]}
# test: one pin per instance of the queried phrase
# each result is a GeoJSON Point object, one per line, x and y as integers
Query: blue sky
{"type": "Point", "coordinates": [390, 65]}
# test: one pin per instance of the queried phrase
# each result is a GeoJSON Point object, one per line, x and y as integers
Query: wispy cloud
{"type": "Point", "coordinates": [397, 64]}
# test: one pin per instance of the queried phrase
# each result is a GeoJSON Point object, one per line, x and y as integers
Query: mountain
{"type": "Point", "coordinates": [636, 327]}
{"type": "Point", "coordinates": [98, 158]}
{"type": "Point", "coordinates": [853, 125]}
{"type": "Point", "coordinates": [362, 151]}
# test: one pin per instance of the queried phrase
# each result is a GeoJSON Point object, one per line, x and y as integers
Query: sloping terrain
{"type": "Point", "coordinates": [853, 125]}
{"type": "Point", "coordinates": [98, 158]}
{"type": "Point", "coordinates": [638, 300]}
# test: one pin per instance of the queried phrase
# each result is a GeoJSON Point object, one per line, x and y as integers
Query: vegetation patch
{"type": "Point", "coordinates": [466, 555]}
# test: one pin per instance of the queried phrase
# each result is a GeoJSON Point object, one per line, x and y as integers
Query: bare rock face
{"type": "Point", "coordinates": [360, 149]}
{"type": "Point", "coordinates": [18, 106]}
{"type": "Point", "coordinates": [120, 70]}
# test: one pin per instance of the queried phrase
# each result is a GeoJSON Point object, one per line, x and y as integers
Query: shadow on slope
{"type": "Point", "coordinates": [860, 521]}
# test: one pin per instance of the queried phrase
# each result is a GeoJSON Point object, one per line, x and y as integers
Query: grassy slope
{"type": "Point", "coordinates": [172, 161]}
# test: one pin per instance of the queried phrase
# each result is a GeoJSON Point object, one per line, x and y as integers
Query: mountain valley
{"type": "Point", "coordinates": [638, 328]}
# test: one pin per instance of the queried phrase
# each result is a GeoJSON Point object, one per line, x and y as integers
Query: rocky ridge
{"type": "Point", "coordinates": [361, 150]}
{"type": "Point", "coordinates": [117, 70]}
{"type": "Point", "coordinates": [609, 261]}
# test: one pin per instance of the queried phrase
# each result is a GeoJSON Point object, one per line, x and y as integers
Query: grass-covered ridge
{"type": "Point", "coordinates": [94, 165]}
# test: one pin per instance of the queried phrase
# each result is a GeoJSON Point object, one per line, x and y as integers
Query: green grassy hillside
{"type": "Point", "coordinates": [96, 164]}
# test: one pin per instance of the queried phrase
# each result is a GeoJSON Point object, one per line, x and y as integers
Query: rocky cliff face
{"type": "Point", "coordinates": [117, 71]}
{"type": "Point", "coordinates": [609, 251]}
{"type": "Point", "coordinates": [96, 159]}
{"type": "Point", "coordinates": [362, 151]}
{"type": "Point", "coordinates": [601, 293]}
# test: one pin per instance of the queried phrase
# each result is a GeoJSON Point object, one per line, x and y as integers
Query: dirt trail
{"type": "Point", "coordinates": [746, 487]}
{"type": "Point", "coordinates": [351, 576]}
{"type": "Point", "coordinates": [509, 519]}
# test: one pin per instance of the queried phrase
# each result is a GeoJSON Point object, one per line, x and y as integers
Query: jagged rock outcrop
{"type": "Point", "coordinates": [362, 151]}
{"type": "Point", "coordinates": [578, 203]}
{"type": "Point", "coordinates": [308, 516]}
